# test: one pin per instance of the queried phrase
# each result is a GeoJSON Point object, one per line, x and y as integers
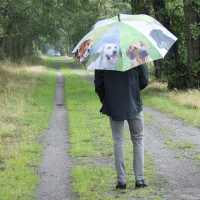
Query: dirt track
{"type": "Point", "coordinates": [56, 163]}
{"type": "Point", "coordinates": [182, 174]}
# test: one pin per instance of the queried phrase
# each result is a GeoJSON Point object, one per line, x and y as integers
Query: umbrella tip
{"type": "Point", "coordinates": [119, 18]}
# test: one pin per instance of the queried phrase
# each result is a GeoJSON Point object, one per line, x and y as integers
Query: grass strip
{"type": "Point", "coordinates": [83, 71]}
{"type": "Point", "coordinates": [182, 148]}
{"type": "Point", "coordinates": [158, 97]}
{"type": "Point", "coordinates": [94, 176]}
{"type": "Point", "coordinates": [27, 93]}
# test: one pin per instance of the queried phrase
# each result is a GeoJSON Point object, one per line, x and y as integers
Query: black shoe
{"type": "Point", "coordinates": [140, 184]}
{"type": "Point", "coordinates": [121, 185]}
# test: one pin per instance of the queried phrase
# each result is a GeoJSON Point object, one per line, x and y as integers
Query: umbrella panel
{"type": "Point", "coordinates": [131, 36]}
{"type": "Point", "coordinates": [110, 39]}
{"type": "Point", "coordinates": [123, 36]}
{"type": "Point", "coordinates": [134, 42]}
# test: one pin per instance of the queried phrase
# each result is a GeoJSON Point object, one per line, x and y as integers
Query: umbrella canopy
{"type": "Point", "coordinates": [123, 42]}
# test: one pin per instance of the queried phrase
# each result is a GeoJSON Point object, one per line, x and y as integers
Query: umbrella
{"type": "Point", "coordinates": [123, 42]}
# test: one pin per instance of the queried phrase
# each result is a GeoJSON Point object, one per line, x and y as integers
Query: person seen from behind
{"type": "Point", "coordinates": [119, 93]}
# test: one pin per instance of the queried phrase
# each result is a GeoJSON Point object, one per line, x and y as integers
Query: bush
{"type": "Point", "coordinates": [39, 53]}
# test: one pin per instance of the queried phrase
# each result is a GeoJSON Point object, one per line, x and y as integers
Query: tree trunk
{"type": "Point", "coordinates": [17, 48]}
{"type": "Point", "coordinates": [1, 47]}
{"type": "Point", "coordinates": [5, 26]}
{"type": "Point", "coordinates": [135, 8]}
{"type": "Point", "coordinates": [39, 45]}
{"type": "Point", "coordinates": [36, 47]}
{"type": "Point", "coordinates": [2, 41]}
{"type": "Point", "coordinates": [144, 10]}
{"type": "Point", "coordinates": [175, 69]}
{"type": "Point", "coordinates": [30, 46]}
{"type": "Point", "coordinates": [13, 48]}
{"type": "Point", "coordinates": [158, 5]}
{"type": "Point", "coordinates": [193, 45]}
{"type": "Point", "coordinates": [198, 21]}
{"type": "Point", "coordinates": [191, 17]}
{"type": "Point", "coordinates": [24, 47]}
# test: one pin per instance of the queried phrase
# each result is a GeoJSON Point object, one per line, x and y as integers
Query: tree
{"type": "Point", "coordinates": [28, 24]}
{"type": "Point", "coordinates": [192, 32]}
{"type": "Point", "coordinates": [23, 23]}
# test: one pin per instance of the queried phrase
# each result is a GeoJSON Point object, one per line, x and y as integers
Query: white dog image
{"type": "Point", "coordinates": [106, 60]}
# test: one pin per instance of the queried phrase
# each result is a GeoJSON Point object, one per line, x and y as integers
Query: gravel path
{"type": "Point", "coordinates": [182, 174]}
{"type": "Point", "coordinates": [56, 163]}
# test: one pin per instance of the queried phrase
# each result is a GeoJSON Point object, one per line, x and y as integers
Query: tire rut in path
{"type": "Point", "coordinates": [182, 174]}
{"type": "Point", "coordinates": [55, 166]}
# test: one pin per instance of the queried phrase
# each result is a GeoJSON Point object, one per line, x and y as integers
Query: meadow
{"type": "Point", "coordinates": [26, 95]}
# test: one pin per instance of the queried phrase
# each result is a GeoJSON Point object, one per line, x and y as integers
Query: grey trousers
{"type": "Point", "coordinates": [136, 126]}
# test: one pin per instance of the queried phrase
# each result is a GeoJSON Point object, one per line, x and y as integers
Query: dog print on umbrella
{"type": "Point", "coordinates": [162, 40]}
{"type": "Point", "coordinates": [107, 57]}
{"type": "Point", "coordinates": [83, 50]}
{"type": "Point", "coordinates": [120, 45]}
{"type": "Point", "coordinates": [138, 53]}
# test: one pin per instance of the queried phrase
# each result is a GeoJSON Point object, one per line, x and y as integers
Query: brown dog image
{"type": "Point", "coordinates": [138, 53]}
{"type": "Point", "coordinates": [83, 50]}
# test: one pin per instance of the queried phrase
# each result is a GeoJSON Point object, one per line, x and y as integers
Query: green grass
{"type": "Point", "coordinates": [25, 113]}
{"type": "Point", "coordinates": [167, 135]}
{"type": "Point", "coordinates": [196, 157]}
{"type": "Point", "coordinates": [179, 144]}
{"type": "Point", "coordinates": [180, 155]}
{"type": "Point", "coordinates": [158, 99]}
{"type": "Point", "coordinates": [83, 71]}
{"type": "Point", "coordinates": [91, 140]}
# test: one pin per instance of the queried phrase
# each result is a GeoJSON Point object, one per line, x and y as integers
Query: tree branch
{"type": "Point", "coordinates": [21, 12]}
{"type": "Point", "coordinates": [177, 7]}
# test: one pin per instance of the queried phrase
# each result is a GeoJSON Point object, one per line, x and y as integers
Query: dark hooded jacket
{"type": "Point", "coordinates": [119, 92]}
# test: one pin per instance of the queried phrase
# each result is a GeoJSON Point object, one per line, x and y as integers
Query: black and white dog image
{"type": "Point", "coordinates": [162, 40]}
{"type": "Point", "coordinates": [106, 60]}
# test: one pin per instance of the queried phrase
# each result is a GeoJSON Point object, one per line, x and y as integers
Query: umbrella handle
{"type": "Point", "coordinates": [119, 18]}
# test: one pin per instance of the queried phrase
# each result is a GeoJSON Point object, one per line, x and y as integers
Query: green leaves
{"type": "Point", "coordinates": [195, 30]}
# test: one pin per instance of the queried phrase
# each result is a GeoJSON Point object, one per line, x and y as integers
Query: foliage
{"type": "Point", "coordinates": [27, 26]}
{"type": "Point", "coordinates": [195, 29]}
{"type": "Point", "coordinates": [112, 8]}
{"type": "Point", "coordinates": [26, 22]}
{"type": "Point", "coordinates": [181, 73]}
{"type": "Point", "coordinates": [178, 104]}
{"type": "Point", "coordinates": [26, 94]}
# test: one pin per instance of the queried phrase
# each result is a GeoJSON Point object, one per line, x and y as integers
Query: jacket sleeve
{"type": "Point", "coordinates": [143, 76]}
{"type": "Point", "coordinates": [99, 84]}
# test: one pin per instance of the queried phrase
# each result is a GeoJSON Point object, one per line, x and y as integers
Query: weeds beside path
{"type": "Point", "coordinates": [184, 105]}
{"type": "Point", "coordinates": [26, 95]}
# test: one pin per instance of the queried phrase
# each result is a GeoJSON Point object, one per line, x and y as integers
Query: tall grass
{"type": "Point", "coordinates": [26, 94]}
{"type": "Point", "coordinates": [184, 105]}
